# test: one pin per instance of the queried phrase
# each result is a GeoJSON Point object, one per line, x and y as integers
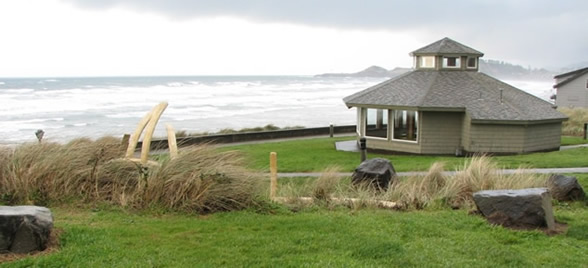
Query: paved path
{"type": "Point", "coordinates": [449, 173]}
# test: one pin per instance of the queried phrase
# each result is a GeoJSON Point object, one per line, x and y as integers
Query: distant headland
{"type": "Point", "coordinates": [495, 68]}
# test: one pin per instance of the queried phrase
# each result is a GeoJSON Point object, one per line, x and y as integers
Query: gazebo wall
{"type": "Point", "coordinates": [505, 138]}
{"type": "Point", "coordinates": [543, 137]}
{"type": "Point", "coordinates": [441, 132]}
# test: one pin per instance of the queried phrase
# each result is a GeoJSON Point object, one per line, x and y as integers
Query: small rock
{"type": "Point", "coordinates": [524, 208]}
{"type": "Point", "coordinates": [377, 172]}
{"type": "Point", "coordinates": [24, 229]}
{"type": "Point", "coordinates": [565, 188]}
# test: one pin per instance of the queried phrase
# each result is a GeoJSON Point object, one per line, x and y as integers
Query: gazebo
{"type": "Point", "coordinates": [446, 106]}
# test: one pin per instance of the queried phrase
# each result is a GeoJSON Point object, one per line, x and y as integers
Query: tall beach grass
{"type": "Point", "coordinates": [577, 117]}
{"type": "Point", "coordinates": [435, 189]}
{"type": "Point", "coordinates": [200, 179]}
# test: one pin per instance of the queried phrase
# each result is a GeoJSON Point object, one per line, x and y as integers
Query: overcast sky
{"type": "Point", "coordinates": [273, 37]}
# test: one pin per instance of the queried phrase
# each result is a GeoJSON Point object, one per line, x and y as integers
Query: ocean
{"type": "Point", "coordinates": [68, 108]}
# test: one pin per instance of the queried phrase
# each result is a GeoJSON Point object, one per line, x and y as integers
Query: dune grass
{"type": "Point", "coordinates": [435, 189]}
{"type": "Point", "coordinates": [201, 179]}
{"type": "Point", "coordinates": [315, 155]}
{"type": "Point", "coordinates": [577, 117]}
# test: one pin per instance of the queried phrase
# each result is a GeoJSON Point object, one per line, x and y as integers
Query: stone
{"type": "Point", "coordinates": [524, 208]}
{"type": "Point", "coordinates": [377, 172]}
{"type": "Point", "coordinates": [24, 229]}
{"type": "Point", "coordinates": [565, 188]}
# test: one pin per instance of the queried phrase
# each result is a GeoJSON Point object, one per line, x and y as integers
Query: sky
{"type": "Point", "coordinates": [60, 38]}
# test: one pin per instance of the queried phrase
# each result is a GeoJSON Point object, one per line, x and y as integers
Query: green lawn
{"type": "Point", "coordinates": [274, 236]}
{"type": "Point", "coordinates": [572, 140]}
{"type": "Point", "coordinates": [312, 238]}
{"type": "Point", "coordinates": [318, 154]}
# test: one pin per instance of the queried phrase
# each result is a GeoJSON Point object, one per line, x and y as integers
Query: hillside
{"type": "Point", "coordinates": [499, 69]}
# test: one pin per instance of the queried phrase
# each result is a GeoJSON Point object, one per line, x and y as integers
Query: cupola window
{"type": "Point", "coordinates": [427, 62]}
{"type": "Point", "coordinates": [451, 62]}
{"type": "Point", "coordinates": [472, 62]}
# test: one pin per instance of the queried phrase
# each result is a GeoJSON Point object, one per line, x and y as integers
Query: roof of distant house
{"type": "Point", "coordinates": [571, 76]}
{"type": "Point", "coordinates": [446, 46]}
{"type": "Point", "coordinates": [482, 97]}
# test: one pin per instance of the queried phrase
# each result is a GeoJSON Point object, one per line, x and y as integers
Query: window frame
{"type": "Point", "coordinates": [468, 62]}
{"type": "Point", "coordinates": [415, 125]}
{"type": "Point", "coordinates": [423, 61]}
{"type": "Point", "coordinates": [365, 121]}
{"type": "Point", "coordinates": [445, 62]}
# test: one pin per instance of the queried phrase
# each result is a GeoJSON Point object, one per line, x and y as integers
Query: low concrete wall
{"type": "Point", "coordinates": [251, 136]}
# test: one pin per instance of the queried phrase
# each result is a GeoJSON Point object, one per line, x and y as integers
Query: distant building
{"type": "Point", "coordinates": [572, 88]}
{"type": "Point", "coordinates": [445, 106]}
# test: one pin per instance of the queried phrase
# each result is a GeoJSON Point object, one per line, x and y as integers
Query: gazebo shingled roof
{"type": "Point", "coordinates": [446, 46]}
{"type": "Point", "coordinates": [482, 97]}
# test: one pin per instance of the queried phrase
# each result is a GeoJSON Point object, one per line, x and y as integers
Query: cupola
{"type": "Point", "coordinates": [446, 55]}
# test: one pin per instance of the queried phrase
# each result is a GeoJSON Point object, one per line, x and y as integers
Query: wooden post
{"type": "Point", "coordinates": [363, 148]}
{"type": "Point", "coordinates": [379, 119]}
{"type": "Point", "coordinates": [125, 140]}
{"type": "Point", "coordinates": [331, 130]}
{"type": "Point", "coordinates": [273, 174]}
{"type": "Point", "coordinates": [585, 129]}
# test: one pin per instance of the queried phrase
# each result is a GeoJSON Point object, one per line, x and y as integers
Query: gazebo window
{"type": "Point", "coordinates": [451, 62]}
{"type": "Point", "coordinates": [405, 125]}
{"type": "Point", "coordinates": [427, 61]}
{"type": "Point", "coordinates": [376, 123]}
{"type": "Point", "coordinates": [472, 63]}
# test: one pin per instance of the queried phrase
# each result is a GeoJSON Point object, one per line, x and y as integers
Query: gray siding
{"type": "Point", "coordinates": [496, 138]}
{"type": "Point", "coordinates": [573, 94]}
{"type": "Point", "coordinates": [440, 132]}
{"type": "Point", "coordinates": [543, 137]}
{"type": "Point", "coordinates": [514, 138]}
{"type": "Point", "coordinates": [466, 140]}
{"type": "Point", "coordinates": [444, 132]}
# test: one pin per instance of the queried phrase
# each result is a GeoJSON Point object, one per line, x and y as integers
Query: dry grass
{"type": "Point", "coordinates": [574, 126]}
{"type": "Point", "coordinates": [200, 179]}
{"type": "Point", "coordinates": [325, 186]}
{"type": "Point", "coordinates": [434, 189]}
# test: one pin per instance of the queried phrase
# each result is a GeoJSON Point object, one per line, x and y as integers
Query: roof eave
{"type": "Point", "coordinates": [406, 107]}
{"type": "Point", "coordinates": [518, 122]}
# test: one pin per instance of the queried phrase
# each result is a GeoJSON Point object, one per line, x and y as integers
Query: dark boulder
{"type": "Point", "coordinates": [24, 229]}
{"type": "Point", "coordinates": [377, 172]}
{"type": "Point", "coordinates": [565, 188]}
{"type": "Point", "coordinates": [524, 208]}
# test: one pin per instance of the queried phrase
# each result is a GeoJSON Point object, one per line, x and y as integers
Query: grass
{"type": "Point", "coordinates": [577, 117]}
{"type": "Point", "coordinates": [572, 140]}
{"type": "Point", "coordinates": [105, 232]}
{"type": "Point", "coordinates": [200, 179]}
{"type": "Point", "coordinates": [315, 155]}
{"type": "Point", "coordinates": [315, 237]}
{"type": "Point", "coordinates": [431, 190]}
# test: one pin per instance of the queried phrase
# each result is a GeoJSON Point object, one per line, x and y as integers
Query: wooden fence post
{"type": "Point", "coordinates": [273, 174]}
